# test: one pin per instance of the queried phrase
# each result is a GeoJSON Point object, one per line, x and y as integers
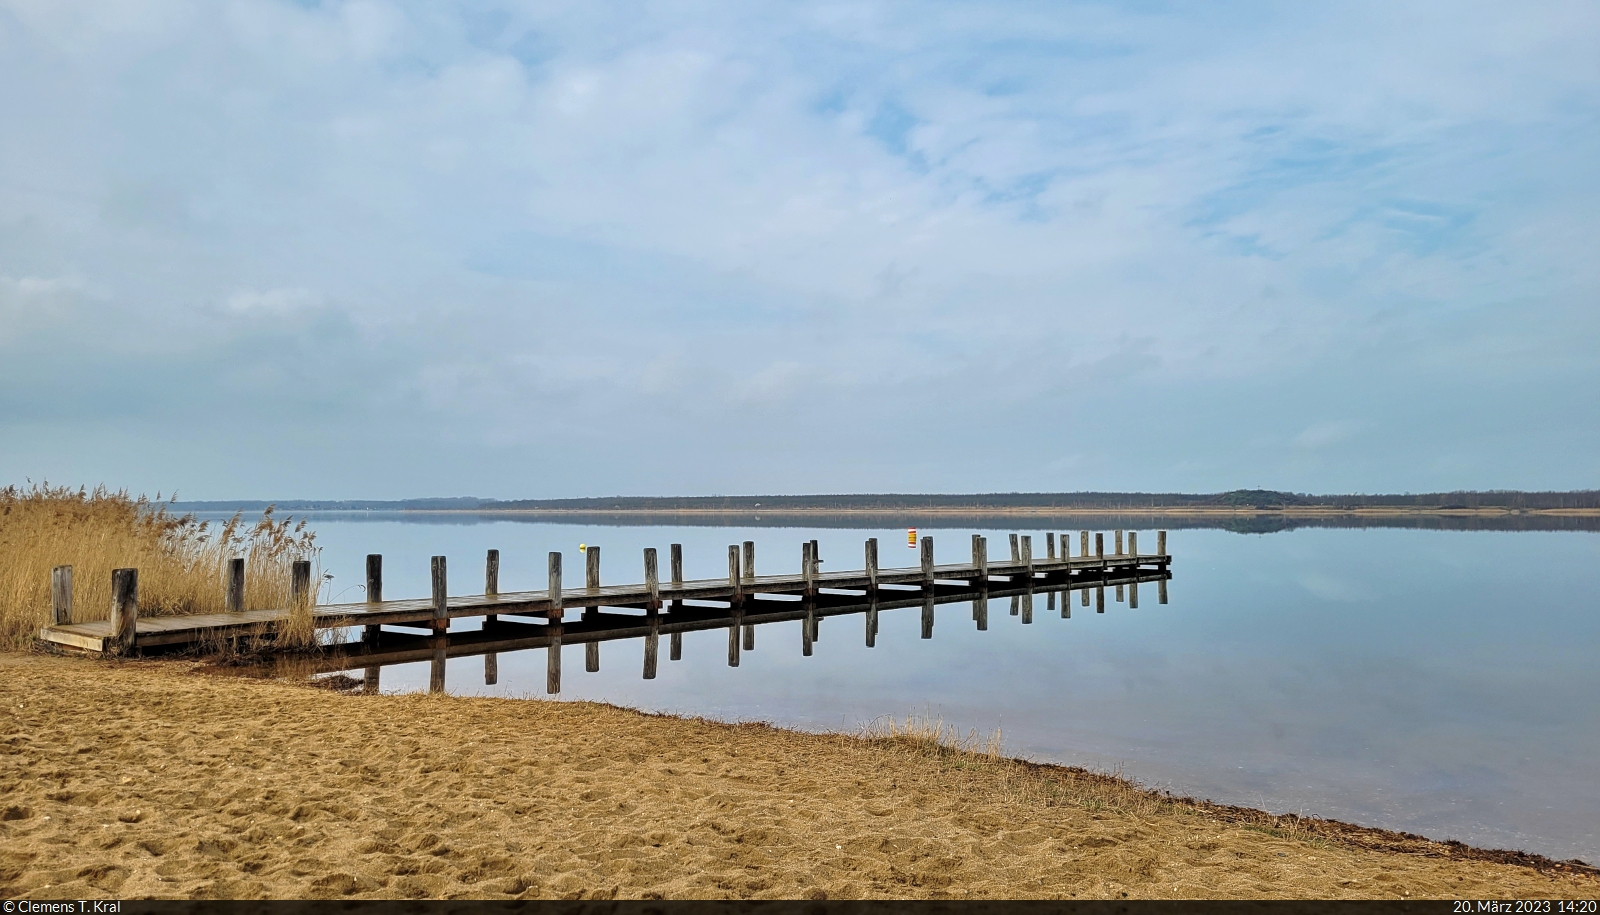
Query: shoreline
{"type": "Point", "coordinates": [1041, 510]}
{"type": "Point", "coordinates": [182, 778]}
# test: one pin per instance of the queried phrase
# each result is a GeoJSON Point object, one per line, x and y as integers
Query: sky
{"type": "Point", "coordinates": [366, 249]}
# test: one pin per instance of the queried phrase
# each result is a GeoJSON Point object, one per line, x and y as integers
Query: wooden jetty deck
{"type": "Point", "coordinates": [742, 591]}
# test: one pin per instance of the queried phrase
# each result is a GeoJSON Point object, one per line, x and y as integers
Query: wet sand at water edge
{"type": "Point", "coordinates": [168, 779]}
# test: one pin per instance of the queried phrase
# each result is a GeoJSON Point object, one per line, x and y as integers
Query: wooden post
{"type": "Point", "coordinates": [734, 580]}
{"type": "Point", "coordinates": [61, 596]}
{"type": "Point", "coordinates": [749, 637]}
{"type": "Point", "coordinates": [872, 622]}
{"type": "Point", "coordinates": [808, 572]}
{"type": "Point", "coordinates": [1027, 556]}
{"type": "Point", "coordinates": [975, 539]}
{"type": "Point", "coordinates": [491, 669]}
{"type": "Point", "coordinates": [675, 649]}
{"type": "Point", "coordinates": [1100, 547]}
{"type": "Point", "coordinates": [652, 583]}
{"type": "Point", "coordinates": [1161, 543]}
{"type": "Point", "coordinates": [591, 657]}
{"type": "Point", "coordinates": [591, 568]}
{"type": "Point", "coordinates": [233, 588]}
{"type": "Point", "coordinates": [1016, 551]}
{"type": "Point", "coordinates": [733, 626]}
{"type": "Point", "coordinates": [1066, 605]}
{"type": "Point", "coordinates": [300, 583]}
{"type": "Point", "coordinates": [980, 610]}
{"type": "Point", "coordinates": [652, 646]}
{"type": "Point", "coordinates": [370, 680]}
{"type": "Point", "coordinates": [1119, 594]}
{"type": "Point", "coordinates": [927, 616]}
{"type": "Point", "coordinates": [374, 578]}
{"type": "Point", "coordinates": [807, 631]}
{"type": "Point", "coordinates": [1133, 595]}
{"type": "Point", "coordinates": [441, 596]}
{"type": "Point", "coordinates": [1100, 599]}
{"type": "Point", "coordinates": [1083, 544]}
{"type": "Point", "coordinates": [491, 582]}
{"type": "Point", "coordinates": [1050, 545]}
{"type": "Point", "coordinates": [816, 559]}
{"type": "Point", "coordinates": [677, 578]}
{"type": "Point", "coordinates": [816, 627]}
{"type": "Point", "coordinates": [1085, 593]}
{"type": "Point", "coordinates": [1133, 544]}
{"type": "Point", "coordinates": [1161, 591]}
{"type": "Point", "coordinates": [1016, 605]}
{"type": "Point", "coordinates": [872, 567]}
{"type": "Point", "coordinates": [124, 609]}
{"type": "Point", "coordinates": [927, 562]}
{"type": "Point", "coordinates": [749, 560]}
{"type": "Point", "coordinates": [554, 589]}
{"type": "Point", "coordinates": [980, 558]}
{"type": "Point", "coordinates": [1119, 543]}
{"type": "Point", "coordinates": [1027, 608]}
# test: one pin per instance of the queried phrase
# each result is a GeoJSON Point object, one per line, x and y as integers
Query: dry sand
{"type": "Point", "coordinates": [160, 779]}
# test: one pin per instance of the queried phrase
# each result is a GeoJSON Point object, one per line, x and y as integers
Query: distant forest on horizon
{"type": "Point", "coordinates": [1255, 499]}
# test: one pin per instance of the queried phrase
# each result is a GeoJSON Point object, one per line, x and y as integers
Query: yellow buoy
{"type": "Point", "coordinates": [911, 537]}
{"type": "Point", "coordinates": [582, 547]}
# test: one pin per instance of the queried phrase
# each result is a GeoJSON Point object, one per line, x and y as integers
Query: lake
{"type": "Point", "coordinates": [1438, 682]}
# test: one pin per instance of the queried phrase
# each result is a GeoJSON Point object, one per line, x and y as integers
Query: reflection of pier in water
{"type": "Point", "coordinates": [1022, 583]}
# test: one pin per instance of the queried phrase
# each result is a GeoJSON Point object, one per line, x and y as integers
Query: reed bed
{"type": "Point", "coordinates": [181, 559]}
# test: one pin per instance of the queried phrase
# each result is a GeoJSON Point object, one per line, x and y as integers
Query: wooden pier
{"type": "Point", "coordinates": [532, 619]}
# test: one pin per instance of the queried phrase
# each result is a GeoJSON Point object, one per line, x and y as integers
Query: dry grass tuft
{"type": "Point", "coordinates": [181, 560]}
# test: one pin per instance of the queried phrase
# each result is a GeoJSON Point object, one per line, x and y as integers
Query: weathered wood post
{"type": "Point", "coordinates": [675, 649]}
{"type": "Point", "coordinates": [1085, 593]}
{"type": "Point", "coordinates": [552, 680]}
{"type": "Point", "coordinates": [1119, 543]}
{"type": "Point", "coordinates": [370, 634]}
{"type": "Point", "coordinates": [1050, 545]}
{"type": "Point", "coordinates": [1133, 595]}
{"type": "Point", "coordinates": [591, 657]}
{"type": "Point", "coordinates": [749, 560]}
{"type": "Point", "coordinates": [1016, 550]}
{"type": "Point", "coordinates": [1016, 605]}
{"type": "Point", "coordinates": [980, 610]}
{"type": "Point", "coordinates": [491, 581]}
{"type": "Point", "coordinates": [734, 620]}
{"type": "Point", "coordinates": [975, 539]}
{"type": "Point", "coordinates": [652, 645]}
{"type": "Point", "coordinates": [300, 583]}
{"type": "Point", "coordinates": [677, 580]}
{"type": "Point", "coordinates": [734, 580]}
{"type": "Point", "coordinates": [1027, 557]}
{"type": "Point", "coordinates": [1066, 605]}
{"type": "Point", "coordinates": [749, 637]}
{"type": "Point", "coordinates": [441, 596]}
{"type": "Point", "coordinates": [124, 609]}
{"type": "Point", "coordinates": [1119, 594]}
{"type": "Point", "coordinates": [591, 584]}
{"type": "Point", "coordinates": [1161, 543]}
{"type": "Point", "coordinates": [1100, 548]}
{"type": "Point", "coordinates": [1100, 599]}
{"type": "Point", "coordinates": [233, 588]}
{"type": "Point", "coordinates": [1083, 544]}
{"type": "Point", "coordinates": [1133, 543]}
{"type": "Point", "coordinates": [1161, 591]}
{"type": "Point", "coordinates": [808, 570]}
{"type": "Point", "coordinates": [374, 578]}
{"type": "Point", "coordinates": [816, 559]}
{"type": "Point", "coordinates": [491, 669]}
{"type": "Point", "coordinates": [980, 558]}
{"type": "Point", "coordinates": [370, 680]}
{"type": "Point", "coordinates": [927, 563]}
{"type": "Point", "coordinates": [61, 596]}
{"type": "Point", "coordinates": [1027, 608]}
{"type": "Point", "coordinates": [808, 628]}
{"type": "Point", "coordinates": [927, 616]}
{"type": "Point", "coordinates": [652, 583]}
{"type": "Point", "coordinates": [872, 568]}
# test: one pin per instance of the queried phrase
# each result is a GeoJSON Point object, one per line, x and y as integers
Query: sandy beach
{"type": "Point", "coordinates": [174, 779]}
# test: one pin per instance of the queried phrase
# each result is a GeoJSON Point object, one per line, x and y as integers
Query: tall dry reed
{"type": "Point", "coordinates": [181, 559]}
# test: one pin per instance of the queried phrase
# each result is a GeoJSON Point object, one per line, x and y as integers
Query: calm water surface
{"type": "Point", "coordinates": [1437, 682]}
